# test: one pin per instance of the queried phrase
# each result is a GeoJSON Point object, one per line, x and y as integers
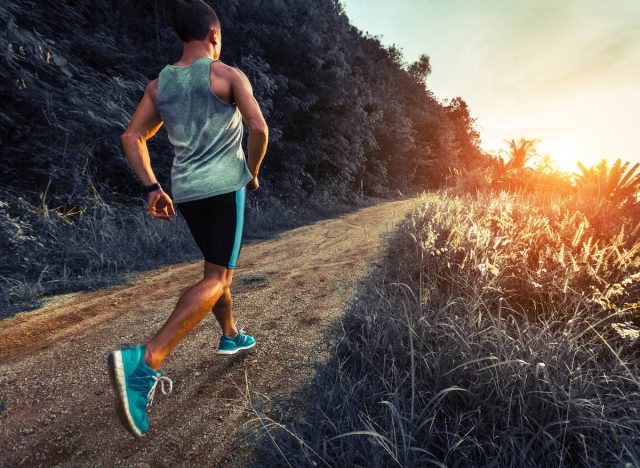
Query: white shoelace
{"type": "Point", "coordinates": [162, 379]}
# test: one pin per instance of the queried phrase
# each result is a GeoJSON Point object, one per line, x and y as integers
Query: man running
{"type": "Point", "coordinates": [202, 103]}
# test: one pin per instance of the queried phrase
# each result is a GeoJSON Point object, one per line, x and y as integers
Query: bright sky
{"type": "Point", "coordinates": [564, 71]}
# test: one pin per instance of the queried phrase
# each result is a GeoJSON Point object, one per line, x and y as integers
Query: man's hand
{"type": "Point", "coordinates": [253, 184]}
{"type": "Point", "coordinates": [160, 205]}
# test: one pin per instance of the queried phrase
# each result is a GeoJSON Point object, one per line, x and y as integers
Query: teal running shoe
{"type": "Point", "coordinates": [134, 384]}
{"type": "Point", "coordinates": [233, 345]}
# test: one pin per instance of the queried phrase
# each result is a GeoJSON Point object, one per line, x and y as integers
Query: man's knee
{"type": "Point", "coordinates": [226, 282]}
{"type": "Point", "coordinates": [223, 280]}
{"type": "Point", "coordinates": [218, 273]}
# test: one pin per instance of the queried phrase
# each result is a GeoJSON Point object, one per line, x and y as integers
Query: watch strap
{"type": "Point", "coordinates": [151, 187]}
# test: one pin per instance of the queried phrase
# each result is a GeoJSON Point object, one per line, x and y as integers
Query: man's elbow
{"type": "Point", "coordinates": [127, 138]}
{"type": "Point", "coordinates": [259, 128]}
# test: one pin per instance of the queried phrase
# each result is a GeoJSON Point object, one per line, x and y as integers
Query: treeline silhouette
{"type": "Point", "coordinates": [347, 116]}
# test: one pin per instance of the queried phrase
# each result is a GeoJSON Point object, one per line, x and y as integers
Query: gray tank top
{"type": "Point", "coordinates": [205, 131]}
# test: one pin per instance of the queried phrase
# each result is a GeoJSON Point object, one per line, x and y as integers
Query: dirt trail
{"type": "Point", "coordinates": [287, 291]}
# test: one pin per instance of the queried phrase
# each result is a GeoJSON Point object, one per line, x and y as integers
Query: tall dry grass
{"type": "Point", "coordinates": [485, 337]}
{"type": "Point", "coordinates": [96, 246]}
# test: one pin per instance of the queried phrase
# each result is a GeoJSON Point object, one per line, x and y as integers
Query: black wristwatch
{"type": "Point", "coordinates": [151, 188]}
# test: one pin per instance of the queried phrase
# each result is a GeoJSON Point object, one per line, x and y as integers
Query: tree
{"type": "Point", "coordinates": [420, 69]}
{"type": "Point", "coordinates": [467, 137]}
{"type": "Point", "coordinates": [618, 183]}
{"type": "Point", "coordinates": [546, 164]}
{"type": "Point", "coordinates": [514, 173]}
{"type": "Point", "coordinates": [520, 153]}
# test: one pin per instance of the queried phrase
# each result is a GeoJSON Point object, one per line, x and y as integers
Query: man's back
{"type": "Point", "coordinates": [204, 129]}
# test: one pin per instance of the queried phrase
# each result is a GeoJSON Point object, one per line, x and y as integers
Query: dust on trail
{"type": "Point", "coordinates": [286, 292]}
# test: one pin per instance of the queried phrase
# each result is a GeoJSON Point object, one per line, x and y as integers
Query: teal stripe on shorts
{"type": "Point", "coordinates": [237, 243]}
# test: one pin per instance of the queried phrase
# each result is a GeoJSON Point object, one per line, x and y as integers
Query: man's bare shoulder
{"type": "Point", "coordinates": [241, 75]}
{"type": "Point", "coordinates": [152, 89]}
{"type": "Point", "coordinates": [229, 72]}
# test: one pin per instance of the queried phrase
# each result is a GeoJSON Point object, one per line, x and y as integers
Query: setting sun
{"type": "Point", "coordinates": [564, 150]}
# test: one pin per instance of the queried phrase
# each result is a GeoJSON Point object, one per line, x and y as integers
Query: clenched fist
{"type": "Point", "coordinates": [253, 184]}
{"type": "Point", "coordinates": [160, 205]}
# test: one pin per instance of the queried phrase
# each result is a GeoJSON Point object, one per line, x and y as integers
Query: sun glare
{"type": "Point", "coordinates": [564, 151]}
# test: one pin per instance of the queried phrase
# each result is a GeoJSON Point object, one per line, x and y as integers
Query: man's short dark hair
{"type": "Point", "coordinates": [192, 19]}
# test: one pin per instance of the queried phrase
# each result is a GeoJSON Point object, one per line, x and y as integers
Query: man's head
{"type": "Point", "coordinates": [194, 20]}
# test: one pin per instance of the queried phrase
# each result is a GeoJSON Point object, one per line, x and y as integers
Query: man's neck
{"type": "Point", "coordinates": [193, 50]}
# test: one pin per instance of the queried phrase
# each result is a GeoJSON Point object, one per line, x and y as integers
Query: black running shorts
{"type": "Point", "coordinates": [216, 225]}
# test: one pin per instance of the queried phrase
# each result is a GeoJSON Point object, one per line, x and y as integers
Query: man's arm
{"type": "Point", "coordinates": [144, 124]}
{"type": "Point", "coordinates": [252, 115]}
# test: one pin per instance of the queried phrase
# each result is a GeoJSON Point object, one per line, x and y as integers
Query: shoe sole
{"type": "Point", "coordinates": [227, 352]}
{"type": "Point", "coordinates": [118, 382]}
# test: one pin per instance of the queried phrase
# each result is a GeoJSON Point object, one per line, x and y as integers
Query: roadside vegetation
{"type": "Point", "coordinates": [500, 329]}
